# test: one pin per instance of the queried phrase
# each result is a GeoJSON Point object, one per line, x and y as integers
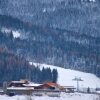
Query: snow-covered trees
{"type": "Point", "coordinates": [68, 49]}
{"type": "Point", "coordinates": [14, 67]}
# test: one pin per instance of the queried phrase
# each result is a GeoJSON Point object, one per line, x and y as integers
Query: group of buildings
{"type": "Point", "coordinates": [24, 87]}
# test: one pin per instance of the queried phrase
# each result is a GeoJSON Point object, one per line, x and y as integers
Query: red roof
{"type": "Point", "coordinates": [52, 84]}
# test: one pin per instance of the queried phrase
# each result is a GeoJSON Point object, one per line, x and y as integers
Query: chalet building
{"type": "Point", "coordinates": [48, 92]}
{"type": "Point", "coordinates": [49, 88]}
{"type": "Point", "coordinates": [49, 85]}
{"type": "Point", "coordinates": [28, 88]}
{"type": "Point", "coordinates": [18, 83]}
{"type": "Point", "coordinates": [19, 91]}
{"type": "Point", "coordinates": [19, 88]}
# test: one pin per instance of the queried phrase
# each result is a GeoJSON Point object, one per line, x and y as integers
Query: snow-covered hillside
{"type": "Point", "coordinates": [75, 96]}
{"type": "Point", "coordinates": [66, 76]}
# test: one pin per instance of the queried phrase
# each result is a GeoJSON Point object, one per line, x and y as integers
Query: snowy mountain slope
{"type": "Point", "coordinates": [75, 96]}
{"type": "Point", "coordinates": [77, 15]}
{"type": "Point", "coordinates": [66, 76]}
{"type": "Point", "coordinates": [52, 46]}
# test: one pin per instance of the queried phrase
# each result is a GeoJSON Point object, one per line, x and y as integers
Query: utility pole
{"type": "Point", "coordinates": [5, 87]}
{"type": "Point", "coordinates": [77, 79]}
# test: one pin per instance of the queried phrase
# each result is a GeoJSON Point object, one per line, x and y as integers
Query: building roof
{"type": "Point", "coordinates": [52, 84]}
{"type": "Point", "coordinates": [20, 88]}
{"type": "Point", "coordinates": [21, 81]}
{"type": "Point", "coordinates": [31, 84]}
{"type": "Point", "coordinates": [69, 87]}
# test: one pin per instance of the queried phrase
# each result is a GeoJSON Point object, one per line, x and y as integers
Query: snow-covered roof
{"type": "Point", "coordinates": [21, 81]}
{"type": "Point", "coordinates": [31, 84]}
{"type": "Point", "coordinates": [20, 88]}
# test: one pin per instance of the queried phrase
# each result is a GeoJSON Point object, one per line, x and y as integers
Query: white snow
{"type": "Point", "coordinates": [20, 88]}
{"type": "Point", "coordinates": [65, 79]}
{"type": "Point", "coordinates": [92, 0]}
{"type": "Point", "coordinates": [52, 9]}
{"type": "Point", "coordinates": [5, 30]}
{"type": "Point", "coordinates": [66, 76]}
{"type": "Point", "coordinates": [44, 10]}
{"type": "Point", "coordinates": [89, 0]}
{"type": "Point", "coordinates": [32, 84]}
{"type": "Point", "coordinates": [75, 96]}
{"type": "Point", "coordinates": [16, 34]}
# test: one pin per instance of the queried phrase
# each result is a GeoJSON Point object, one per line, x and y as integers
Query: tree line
{"type": "Point", "coordinates": [13, 67]}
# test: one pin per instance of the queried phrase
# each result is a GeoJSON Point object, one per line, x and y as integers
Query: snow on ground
{"type": "Point", "coordinates": [75, 96]}
{"type": "Point", "coordinates": [66, 76]}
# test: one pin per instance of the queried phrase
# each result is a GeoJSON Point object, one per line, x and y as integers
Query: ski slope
{"type": "Point", "coordinates": [66, 76]}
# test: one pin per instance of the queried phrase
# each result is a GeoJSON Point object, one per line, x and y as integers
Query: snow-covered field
{"type": "Point", "coordinates": [66, 77]}
{"type": "Point", "coordinates": [75, 96]}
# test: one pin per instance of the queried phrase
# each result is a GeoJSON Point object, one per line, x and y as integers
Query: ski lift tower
{"type": "Point", "coordinates": [77, 79]}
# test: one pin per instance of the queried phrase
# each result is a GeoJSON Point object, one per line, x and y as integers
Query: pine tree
{"type": "Point", "coordinates": [54, 75]}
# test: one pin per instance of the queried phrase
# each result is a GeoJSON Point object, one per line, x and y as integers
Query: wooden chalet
{"type": "Point", "coordinates": [26, 87]}
{"type": "Point", "coordinates": [29, 88]}
{"type": "Point", "coordinates": [50, 86]}
{"type": "Point", "coordinates": [18, 87]}
{"type": "Point", "coordinates": [18, 83]}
